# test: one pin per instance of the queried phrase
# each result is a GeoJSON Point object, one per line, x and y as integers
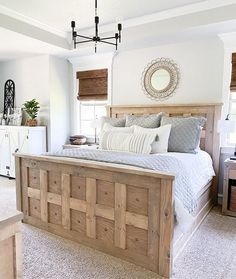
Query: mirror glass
{"type": "Point", "coordinates": [160, 79]}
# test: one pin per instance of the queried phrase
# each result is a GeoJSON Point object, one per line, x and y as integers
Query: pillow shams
{"type": "Point", "coordinates": [185, 133]}
{"type": "Point", "coordinates": [127, 142]}
{"type": "Point", "coordinates": [160, 145]}
{"type": "Point", "coordinates": [115, 122]}
{"type": "Point", "coordinates": [145, 121]}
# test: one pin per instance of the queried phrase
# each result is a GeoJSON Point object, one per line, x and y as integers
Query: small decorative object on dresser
{"type": "Point", "coordinates": [77, 140]}
{"type": "Point", "coordinates": [229, 195]}
{"type": "Point", "coordinates": [9, 95]}
{"type": "Point", "coordinates": [31, 108]}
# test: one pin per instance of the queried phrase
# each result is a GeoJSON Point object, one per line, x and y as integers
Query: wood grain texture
{"type": "Point", "coordinates": [18, 185]}
{"type": "Point", "coordinates": [65, 200]}
{"type": "Point", "coordinates": [25, 184]}
{"type": "Point", "coordinates": [44, 195]}
{"type": "Point", "coordinates": [166, 228]}
{"type": "Point", "coordinates": [11, 248]}
{"type": "Point", "coordinates": [18, 255]}
{"type": "Point", "coordinates": [154, 226]}
{"type": "Point", "coordinates": [91, 194]}
{"type": "Point", "coordinates": [120, 217]}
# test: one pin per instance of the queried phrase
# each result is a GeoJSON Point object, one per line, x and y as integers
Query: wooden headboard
{"type": "Point", "coordinates": [212, 112]}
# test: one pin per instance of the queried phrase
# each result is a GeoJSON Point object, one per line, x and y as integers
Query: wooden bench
{"type": "Point", "coordinates": [10, 245]}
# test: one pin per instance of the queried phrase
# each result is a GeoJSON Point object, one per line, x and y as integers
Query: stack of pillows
{"type": "Point", "coordinates": [155, 133]}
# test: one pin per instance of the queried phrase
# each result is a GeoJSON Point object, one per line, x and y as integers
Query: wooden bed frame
{"type": "Point", "coordinates": [121, 210]}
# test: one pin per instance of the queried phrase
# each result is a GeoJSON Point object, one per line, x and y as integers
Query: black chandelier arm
{"type": "Point", "coordinates": [108, 38]}
{"type": "Point", "coordinates": [109, 43]}
{"type": "Point", "coordinates": [86, 41]}
{"type": "Point", "coordinates": [84, 37]}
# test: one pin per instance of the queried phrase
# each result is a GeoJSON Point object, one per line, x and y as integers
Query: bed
{"type": "Point", "coordinates": [122, 210]}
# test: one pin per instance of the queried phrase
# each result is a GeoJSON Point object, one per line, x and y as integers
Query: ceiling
{"type": "Point", "coordinates": [59, 13]}
{"type": "Point", "coordinates": [34, 27]}
{"type": "Point", "coordinates": [16, 46]}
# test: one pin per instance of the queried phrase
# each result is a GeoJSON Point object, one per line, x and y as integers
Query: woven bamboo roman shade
{"type": "Point", "coordinates": [92, 85]}
{"type": "Point", "coordinates": [233, 75]}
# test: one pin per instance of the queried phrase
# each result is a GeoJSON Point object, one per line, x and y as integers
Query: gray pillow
{"type": "Point", "coordinates": [115, 122]}
{"type": "Point", "coordinates": [185, 133]}
{"type": "Point", "coordinates": [145, 121]}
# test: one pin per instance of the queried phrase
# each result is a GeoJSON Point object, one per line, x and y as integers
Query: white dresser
{"type": "Point", "coordinates": [23, 139]}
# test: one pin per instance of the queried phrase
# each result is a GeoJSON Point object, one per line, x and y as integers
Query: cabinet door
{"type": "Point", "coordinates": [37, 141]}
{"type": "Point", "coordinates": [24, 141]}
{"type": "Point", "coordinates": [14, 147]}
{"type": "Point", "coordinates": [4, 152]}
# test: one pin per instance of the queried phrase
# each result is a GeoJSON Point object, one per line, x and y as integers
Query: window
{"type": "Point", "coordinates": [88, 112]}
{"type": "Point", "coordinates": [92, 97]}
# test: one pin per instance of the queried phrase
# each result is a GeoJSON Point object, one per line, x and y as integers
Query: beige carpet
{"type": "Point", "coordinates": [211, 253]}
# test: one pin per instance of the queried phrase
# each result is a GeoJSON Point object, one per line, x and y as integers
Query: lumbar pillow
{"type": "Point", "coordinates": [145, 121]}
{"type": "Point", "coordinates": [185, 133]}
{"type": "Point", "coordinates": [160, 145]}
{"type": "Point", "coordinates": [127, 142]}
{"type": "Point", "coordinates": [108, 127]}
{"type": "Point", "coordinates": [116, 122]}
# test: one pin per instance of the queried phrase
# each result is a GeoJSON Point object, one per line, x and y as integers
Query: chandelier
{"type": "Point", "coordinates": [96, 38]}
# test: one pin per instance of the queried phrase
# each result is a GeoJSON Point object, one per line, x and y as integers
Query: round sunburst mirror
{"type": "Point", "coordinates": [160, 78]}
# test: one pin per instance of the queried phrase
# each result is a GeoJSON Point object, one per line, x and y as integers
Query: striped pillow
{"type": "Point", "coordinates": [127, 142]}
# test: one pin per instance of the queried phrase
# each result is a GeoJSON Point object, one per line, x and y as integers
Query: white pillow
{"type": "Point", "coordinates": [108, 127]}
{"type": "Point", "coordinates": [127, 142]}
{"type": "Point", "coordinates": [160, 145]}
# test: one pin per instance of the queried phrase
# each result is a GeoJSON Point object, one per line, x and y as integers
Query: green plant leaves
{"type": "Point", "coordinates": [31, 108]}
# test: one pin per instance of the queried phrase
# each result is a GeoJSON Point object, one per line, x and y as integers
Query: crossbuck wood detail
{"type": "Point", "coordinates": [124, 211]}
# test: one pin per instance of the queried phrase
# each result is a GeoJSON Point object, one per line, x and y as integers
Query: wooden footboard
{"type": "Point", "coordinates": [123, 211]}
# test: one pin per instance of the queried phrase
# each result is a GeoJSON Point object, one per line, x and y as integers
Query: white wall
{"type": "Point", "coordinates": [31, 77]}
{"type": "Point", "coordinates": [46, 79]}
{"type": "Point", "coordinates": [59, 92]}
{"type": "Point", "coordinates": [201, 72]}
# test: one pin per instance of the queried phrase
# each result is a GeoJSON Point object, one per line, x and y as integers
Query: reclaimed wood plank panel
{"type": "Point", "coordinates": [65, 200]}
{"type": "Point", "coordinates": [153, 226]}
{"type": "Point", "coordinates": [91, 195]}
{"type": "Point", "coordinates": [18, 255]}
{"type": "Point", "coordinates": [120, 213]}
{"type": "Point", "coordinates": [43, 195]}
{"type": "Point", "coordinates": [18, 184]}
{"type": "Point", "coordinates": [25, 185]}
{"type": "Point", "coordinates": [166, 228]}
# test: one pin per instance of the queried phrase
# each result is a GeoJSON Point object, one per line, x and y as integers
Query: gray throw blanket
{"type": "Point", "coordinates": [160, 162]}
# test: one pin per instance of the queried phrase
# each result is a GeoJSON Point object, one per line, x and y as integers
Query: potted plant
{"type": "Point", "coordinates": [31, 108]}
